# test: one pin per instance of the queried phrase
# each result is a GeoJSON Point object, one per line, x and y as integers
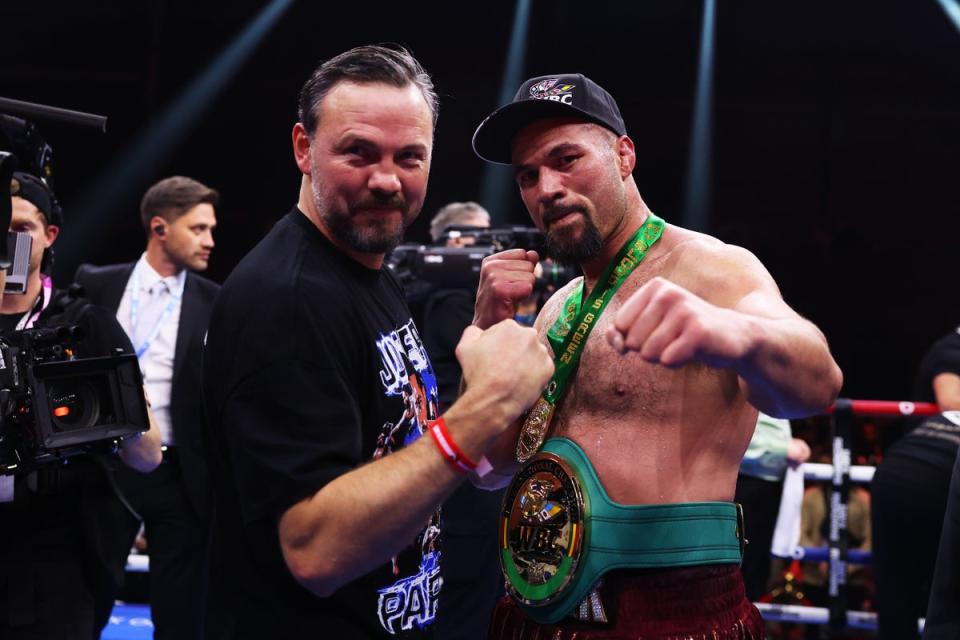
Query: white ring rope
{"type": "Point", "coordinates": [823, 471]}
{"type": "Point", "coordinates": [818, 615]}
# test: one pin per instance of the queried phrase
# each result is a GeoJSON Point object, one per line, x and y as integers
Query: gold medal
{"type": "Point", "coordinates": [534, 430]}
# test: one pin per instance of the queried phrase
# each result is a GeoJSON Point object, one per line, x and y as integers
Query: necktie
{"type": "Point", "coordinates": [155, 300]}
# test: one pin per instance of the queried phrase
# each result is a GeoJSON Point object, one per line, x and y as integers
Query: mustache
{"type": "Point", "coordinates": [556, 211]}
{"type": "Point", "coordinates": [387, 202]}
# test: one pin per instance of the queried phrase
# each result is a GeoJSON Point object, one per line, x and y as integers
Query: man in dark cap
{"type": "Point", "coordinates": [34, 211]}
{"type": "Point", "coordinates": [619, 521]}
{"type": "Point", "coordinates": [55, 545]}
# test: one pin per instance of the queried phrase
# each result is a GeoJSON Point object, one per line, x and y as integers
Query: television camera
{"type": "Point", "coordinates": [428, 267]}
{"type": "Point", "coordinates": [54, 405]}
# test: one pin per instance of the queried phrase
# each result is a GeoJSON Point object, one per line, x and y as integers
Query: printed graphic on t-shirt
{"type": "Point", "coordinates": [412, 602]}
{"type": "Point", "coordinates": [406, 372]}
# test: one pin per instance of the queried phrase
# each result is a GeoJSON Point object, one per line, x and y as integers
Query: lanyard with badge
{"type": "Point", "coordinates": [569, 333]}
{"type": "Point", "coordinates": [31, 317]}
{"type": "Point", "coordinates": [175, 295]}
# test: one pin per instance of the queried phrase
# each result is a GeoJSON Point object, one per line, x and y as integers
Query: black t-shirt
{"type": "Point", "coordinates": [943, 357]}
{"type": "Point", "coordinates": [446, 314]}
{"type": "Point", "coordinates": [312, 367]}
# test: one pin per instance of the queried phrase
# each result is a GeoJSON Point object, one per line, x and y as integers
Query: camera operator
{"type": "Point", "coordinates": [448, 311]}
{"type": "Point", "coordinates": [59, 520]}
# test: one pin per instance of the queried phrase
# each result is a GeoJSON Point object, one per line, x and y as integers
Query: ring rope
{"type": "Point", "coordinates": [822, 471]}
{"type": "Point", "coordinates": [887, 407]}
{"type": "Point", "coordinates": [866, 620]}
{"type": "Point", "coordinates": [841, 473]}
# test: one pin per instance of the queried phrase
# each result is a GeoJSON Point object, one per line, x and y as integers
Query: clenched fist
{"type": "Point", "coordinates": [669, 325]}
{"type": "Point", "coordinates": [507, 365]}
{"type": "Point", "coordinates": [506, 280]}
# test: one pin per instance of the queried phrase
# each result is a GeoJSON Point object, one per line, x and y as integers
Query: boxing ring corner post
{"type": "Point", "coordinates": [838, 555]}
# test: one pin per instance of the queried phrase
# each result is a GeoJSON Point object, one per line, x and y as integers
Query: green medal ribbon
{"type": "Point", "coordinates": [569, 332]}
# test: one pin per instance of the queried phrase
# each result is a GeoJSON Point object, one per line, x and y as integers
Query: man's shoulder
{"type": "Point", "coordinates": [271, 259]}
{"type": "Point", "coordinates": [70, 304]}
{"type": "Point", "coordinates": [206, 287]}
{"type": "Point", "coordinates": [91, 272]}
{"type": "Point", "coordinates": [693, 246]}
{"type": "Point", "coordinates": [100, 329]}
{"type": "Point", "coordinates": [705, 264]}
{"type": "Point", "coordinates": [945, 349]}
{"type": "Point", "coordinates": [279, 279]}
{"type": "Point", "coordinates": [551, 308]}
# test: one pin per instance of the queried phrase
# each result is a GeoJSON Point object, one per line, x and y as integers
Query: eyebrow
{"type": "Point", "coordinates": [348, 139]}
{"type": "Point", "coordinates": [557, 151]}
{"type": "Point", "coordinates": [353, 138]}
{"type": "Point", "coordinates": [416, 146]}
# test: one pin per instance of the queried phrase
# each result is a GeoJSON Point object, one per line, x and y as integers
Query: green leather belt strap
{"type": "Point", "coordinates": [615, 536]}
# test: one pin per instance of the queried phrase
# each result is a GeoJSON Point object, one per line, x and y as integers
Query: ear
{"type": "Point", "coordinates": [301, 148]}
{"type": "Point", "coordinates": [51, 233]}
{"type": "Point", "coordinates": [157, 221]}
{"type": "Point", "coordinates": [626, 154]}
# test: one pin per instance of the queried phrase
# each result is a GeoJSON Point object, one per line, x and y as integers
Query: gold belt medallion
{"type": "Point", "coordinates": [534, 430]}
{"type": "Point", "coordinates": [542, 530]}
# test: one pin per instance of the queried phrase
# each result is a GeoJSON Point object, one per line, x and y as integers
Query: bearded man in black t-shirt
{"type": "Point", "coordinates": [329, 456]}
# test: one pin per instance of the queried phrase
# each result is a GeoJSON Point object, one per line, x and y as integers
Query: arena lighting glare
{"type": "Point", "coordinates": [139, 161]}
{"type": "Point", "coordinates": [952, 9]}
{"type": "Point", "coordinates": [497, 190]}
{"type": "Point", "coordinates": [696, 208]}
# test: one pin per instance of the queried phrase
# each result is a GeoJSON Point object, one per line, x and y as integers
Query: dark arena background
{"type": "Point", "coordinates": [823, 136]}
{"type": "Point", "coordinates": [832, 133]}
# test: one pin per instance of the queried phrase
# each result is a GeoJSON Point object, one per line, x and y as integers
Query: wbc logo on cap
{"type": "Point", "coordinates": [550, 90]}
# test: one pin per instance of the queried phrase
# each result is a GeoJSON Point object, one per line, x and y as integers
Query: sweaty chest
{"type": "Point", "coordinates": [608, 384]}
{"type": "Point", "coordinates": [611, 387]}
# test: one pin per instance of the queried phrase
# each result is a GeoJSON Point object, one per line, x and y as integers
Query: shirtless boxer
{"type": "Point", "coordinates": [687, 338]}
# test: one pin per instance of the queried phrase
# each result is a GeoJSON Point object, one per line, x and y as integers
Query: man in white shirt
{"type": "Point", "coordinates": [164, 308]}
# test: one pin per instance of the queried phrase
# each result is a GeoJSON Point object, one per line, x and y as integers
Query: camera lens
{"type": "Point", "coordinates": [74, 404]}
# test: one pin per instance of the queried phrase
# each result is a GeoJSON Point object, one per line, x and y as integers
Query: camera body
{"type": "Point", "coordinates": [53, 406]}
{"type": "Point", "coordinates": [426, 267]}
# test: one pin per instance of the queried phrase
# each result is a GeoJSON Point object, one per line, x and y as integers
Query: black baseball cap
{"type": "Point", "coordinates": [34, 190]}
{"type": "Point", "coordinates": [553, 96]}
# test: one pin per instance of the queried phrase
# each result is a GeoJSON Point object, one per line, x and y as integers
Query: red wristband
{"type": "Point", "coordinates": [449, 449]}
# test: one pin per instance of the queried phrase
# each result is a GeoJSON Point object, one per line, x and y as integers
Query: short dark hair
{"type": "Point", "coordinates": [172, 197]}
{"type": "Point", "coordinates": [388, 64]}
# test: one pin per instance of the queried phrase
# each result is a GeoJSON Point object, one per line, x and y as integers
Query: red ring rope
{"type": "Point", "coordinates": [889, 408]}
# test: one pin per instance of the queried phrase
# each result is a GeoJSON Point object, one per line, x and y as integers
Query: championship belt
{"type": "Point", "coordinates": [560, 533]}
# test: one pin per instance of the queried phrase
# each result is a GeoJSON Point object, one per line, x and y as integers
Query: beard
{"type": "Point", "coordinates": [381, 235]}
{"type": "Point", "coordinates": [565, 245]}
